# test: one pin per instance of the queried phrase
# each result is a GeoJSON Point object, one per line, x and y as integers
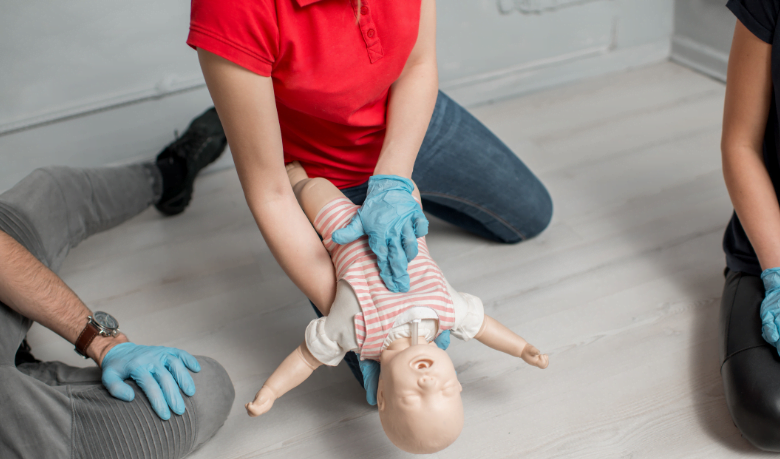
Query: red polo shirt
{"type": "Point", "coordinates": [331, 75]}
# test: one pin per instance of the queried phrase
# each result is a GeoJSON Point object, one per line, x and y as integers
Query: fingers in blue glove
{"type": "Point", "coordinates": [420, 224]}
{"type": "Point", "coordinates": [349, 233]}
{"type": "Point", "coordinates": [179, 371]}
{"type": "Point", "coordinates": [158, 371]}
{"type": "Point", "coordinates": [380, 249]}
{"type": "Point", "coordinates": [775, 330]}
{"type": "Point", "coordinates": [769, 329]}
{"type": "Point", "coordinates": [117, 387]}
{"type": "Point", "coordinates": [190, 361]}
{"type": "Point", "coordinates": [443, 340]}
{"type": "Point", "coordinates": [409, 242]}
{"type": "Point", "coordinates": [149, 385]}
{"type": "Point", "coordinates": [170, 388]}
{"type": "Point", "coordinates": [370, 370]}
{"type": "Point", "coordinates": [769, 333]}
{"type": "Point", "coordinates": [396, 259]}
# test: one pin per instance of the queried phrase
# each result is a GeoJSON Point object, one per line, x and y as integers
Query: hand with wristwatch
{"type": "Point", "coordinates": [158, 371]}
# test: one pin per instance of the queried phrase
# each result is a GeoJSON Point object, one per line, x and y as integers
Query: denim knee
{"type": "Point", "coordinates": [539, 219]}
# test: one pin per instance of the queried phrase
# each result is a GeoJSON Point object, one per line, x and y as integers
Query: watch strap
{"type": "Point", "coordinates": [85, 338]}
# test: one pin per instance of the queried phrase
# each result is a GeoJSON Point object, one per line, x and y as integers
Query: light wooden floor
{"type": "Point", "coordinates": [622, 291]}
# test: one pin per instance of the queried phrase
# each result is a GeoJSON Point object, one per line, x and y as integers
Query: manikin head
{"type": "Point", "coordinates": [419, 399]}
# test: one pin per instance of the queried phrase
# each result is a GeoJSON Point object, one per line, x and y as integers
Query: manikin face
{"type": "Point", "coordinates": [419, 398]}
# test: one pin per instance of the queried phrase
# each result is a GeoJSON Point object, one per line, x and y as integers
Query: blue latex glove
{"type": "Point", "coordinates": [770, 307]}
{"type": "Point", "coordinates": [393, 221]}
{"type": "Point", "coordinates": [159, 371]}
{"type": "Point", "coordinates": [371, 368]}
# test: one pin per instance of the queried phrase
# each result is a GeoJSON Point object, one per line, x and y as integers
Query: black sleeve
{"type": "Point", "coordinates": [759, 16]}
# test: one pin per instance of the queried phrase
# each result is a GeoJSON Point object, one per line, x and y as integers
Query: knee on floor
{"type": "Point", "coordinates": [214, 395]}
{"type": "Point", "coordinates": [534, 214]}
{"type": "Point", "coordinates": [753, 395]}
{"type": "Point", "coordinates": [539, 218]}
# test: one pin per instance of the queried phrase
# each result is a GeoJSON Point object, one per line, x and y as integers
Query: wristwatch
{"type": "Point", "coordinates": [100, 323]}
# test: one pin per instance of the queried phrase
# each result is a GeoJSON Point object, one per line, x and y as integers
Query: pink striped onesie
{"type": "Point", "coordinates": [356, 264]}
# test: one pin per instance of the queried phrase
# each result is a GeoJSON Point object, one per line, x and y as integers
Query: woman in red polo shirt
{"type": "Point", "coordinates": [350, 89]}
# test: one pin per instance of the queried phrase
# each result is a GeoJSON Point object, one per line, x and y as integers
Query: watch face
{"type": "Point", "coordinates": [105, 320]}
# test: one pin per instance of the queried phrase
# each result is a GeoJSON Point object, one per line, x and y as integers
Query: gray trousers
{"type": "Point", "coordinates": [52, 410]}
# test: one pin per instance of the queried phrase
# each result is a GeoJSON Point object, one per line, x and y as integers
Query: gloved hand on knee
{"type": "Point", "coordinates": [393, 221]}
{"type": "Point", "coordinates": [371, 368]}
{"type": "Point", "coordinates": [770, 307]}
{"type": "Point", "coordinates": [158, 370]}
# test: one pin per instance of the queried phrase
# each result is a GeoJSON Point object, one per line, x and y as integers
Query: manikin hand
{"type": "Point", "coordinates": [159, 371]}
{"type": "Point", "coordinates": [393, 221]}
{"type": "Point", "coordinates": [371, 368]}
{"type": "Point", "coordinates": [770, 307]}
{"type": "Point", "coordinates": [263, 402]}
{"type": "Point", "coordinates": [533, 356]}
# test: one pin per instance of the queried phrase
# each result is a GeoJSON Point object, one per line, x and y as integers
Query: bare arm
{"type": "Point", "coordinates": [246, 105]}
{"type": "Point", "coordinates": [34, 291]}
{"type": "Point", "coordinates": [295, 369]}
{"type": "Point", "coordinates": [412, 99]}
{"type": "Point", "coordinates": [500, 338]}
{"type": "Point", "coordinates": [748, 95]}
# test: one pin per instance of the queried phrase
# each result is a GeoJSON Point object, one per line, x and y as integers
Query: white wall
{"type": "Point", "coordinates": [702, 36]}
{"type": "Point", "coordinates": [60, 59]}
{"type": "Point", "coordinates": [491, 49]}
{"type": "Point", "coordinates": [64, 60]}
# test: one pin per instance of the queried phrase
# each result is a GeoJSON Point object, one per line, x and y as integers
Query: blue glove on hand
{"type": "Point", "coordinates": [393, 221]}
{"type": "Point", "coordinates": [770, 307]}
{"type": "Point", "coordinates": [371, 368]}
{"type": "Point", "coordinates": [159, 371]}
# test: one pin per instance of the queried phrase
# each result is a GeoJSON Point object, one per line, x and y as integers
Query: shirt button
{"type": "Point", "coordinates": [371, 33]}
{"type": "Point", "coordinates": [364, 10]}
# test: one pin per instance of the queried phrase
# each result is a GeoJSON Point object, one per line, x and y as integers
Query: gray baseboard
{"type": "Point", "coordinates": [699, 57]}
{"type": "Point", "coordinates": [161, 90]}
{"type": "Point", "coordinates": [547, 73]}
{"type": "Point", "coordinates": [138, 128]}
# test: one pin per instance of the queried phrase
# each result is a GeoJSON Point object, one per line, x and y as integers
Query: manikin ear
{"type": "Point", "coordinates": [380, 399]}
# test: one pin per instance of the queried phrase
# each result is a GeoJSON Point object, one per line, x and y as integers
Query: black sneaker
{"type": "Point", "coordinates": [23, 355]}
{"type": "Point", "coordinates": [180, 162]}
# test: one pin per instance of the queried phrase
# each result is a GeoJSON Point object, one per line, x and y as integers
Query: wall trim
{"type": "Point", "coordinates": [699, 57]}
{"type": "Point", "coordinates": [545, 73]}
{"type": "Point", "coordinates": [469, 91]}
{"type": "Point", "coordinates": [538, 6]}
{"type": "Point", "coordinates": [166, 87]}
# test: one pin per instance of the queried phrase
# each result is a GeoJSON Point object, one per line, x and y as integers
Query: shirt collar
{"type": "Point", "coordinates": [303, 3]}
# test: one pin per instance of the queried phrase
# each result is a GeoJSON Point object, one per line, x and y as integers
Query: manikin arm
{"type": "Point", "coordinates": [295, 369]}
{"type": "Point", "coordinates": [247, 109]}
{"type": "Point", "coordinates": [500, 338]}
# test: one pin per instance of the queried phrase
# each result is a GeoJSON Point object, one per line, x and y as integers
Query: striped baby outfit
{"type": "Point", "coordinates": [356, 264]}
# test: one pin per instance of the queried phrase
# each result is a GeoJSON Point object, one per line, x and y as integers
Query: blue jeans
{"type": "Point", "coordinates": [469, 178]}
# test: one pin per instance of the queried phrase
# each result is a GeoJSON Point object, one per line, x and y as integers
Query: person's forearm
{"type": "Point", "coordinates": [295, 369]}
{"type": "Point", "coordinates": [247, 109]}
{"type": "Point", "coordinates": [411, 102]}
{"type": "Point", "coordinates": [496, 336]}
{"type": "Point", "coordinates": [296, 246]}
{"type": "Point", "coordinates": [755, 201]}
{"type": "Point", "coordinates": [412, 99]}
{"type": "Point", "coordinates": [745, 112]}
{"type": "Point", "coordinates": [34, 291]}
